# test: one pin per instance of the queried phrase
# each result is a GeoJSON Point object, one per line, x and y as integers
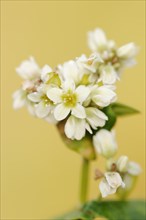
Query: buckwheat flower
{"type": "Point", "coordinates": [97, 41]}
{"type": "Point", "coordinates": [108, 75]}
{"type": "Point", "coordinates": [43, 105]}
{"type": "Point", "coordinates": [134, 168]}
{"type": "Point", "coordinates": [122, 164]}
{"type": "Point", "coordinates": [89, 65]}
{"type": "Point", "coordinates": [19, 98]}
{"type": "Point", "coordinates": [70, 71]}
{"type": "Point", "coordinates": [127, 51]}
{"type": "Point", "coordinates": [110, 183]}
{"type": "Point", "coordinates": [102, 95]}
{"type": "Point", "coordinates": [126, 54]}
{"type": "Point", "coordinates": [105, 143]}
{"type": "Point", "coordinates": [95, 117]}
{"type": "Point", "coordinates": [28, 69]}
{"type": "Point", "coordinates": [68, 99]}
{"type": "Point", "coordinates": [75, 128]}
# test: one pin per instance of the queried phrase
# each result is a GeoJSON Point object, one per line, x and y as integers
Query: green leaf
{"type": "Point", "coordinates": [111, 117]}
{"type": "Point", "coordinates": [122, 110]}
{"type": "Point", "coordinates": [111, 210]}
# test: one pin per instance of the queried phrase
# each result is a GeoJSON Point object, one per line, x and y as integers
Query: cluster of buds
{"type": "Point", "coordinates": [120, 174]}
{"type": "Point", "coordinates": [75, 94]}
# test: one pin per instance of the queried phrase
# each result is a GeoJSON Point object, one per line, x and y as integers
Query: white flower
{"type": "Point", "coordinates": [28, 69]}
{"type": "Point", "coordinates": [105, 143]}
{"type": "Point", "coordinates": [102, 95]}
{"type": "Point", "coordinates": [127, 54]}
{"type": "Point", "coordinates": [68, 99]}
{"type": "Point", "coordinates": [110, 183]}
{"type": "Point", "coordinates": [89, 65]}
{"type": "Point", "coordinates": [97, 41]}
{"type": "Point", "coordinates": [95, 117]}
{"type": "Point", "coordinates": [108, 75]}
{"type": "Point", "coordinates": [75, 128]}
{"type": "Point", "coordinates": [127, 51]}
{"type": "Point", "coordinates": [134, 168]}
{"type": "Point", "coordinates": [122, 164]}
{"type": "Point", "coordinates": [19, 98]}
{"type": "Point", "coordinates": [43, 105]}
{"type": "Point", "coordinates": [70, 71]}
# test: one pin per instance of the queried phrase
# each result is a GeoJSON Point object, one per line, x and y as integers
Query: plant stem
{"type": "Point", "coordinates": [84, 181]}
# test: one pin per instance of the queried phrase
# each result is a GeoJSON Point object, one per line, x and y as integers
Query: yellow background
{"type": "Point", "coordinates": [40, 176]}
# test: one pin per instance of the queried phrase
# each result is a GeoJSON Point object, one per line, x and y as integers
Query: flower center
{"type": "Point", "coordinates": [69, 99]}
{"type": "Point", "coordinates": [46, 100]}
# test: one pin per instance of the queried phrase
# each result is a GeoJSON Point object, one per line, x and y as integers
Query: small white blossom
{"type": "Point", "coordinates": [28, 69]}
{"type": "Point", "coordinates": [19, 99]}
{"type": "Point", "coordinates": [75, 128]}
{"type": "Point", "coordinates": [70, 71]}
{"type": "Point", "coordinates": [89, 65]}
{"type": "Point", "coordinates": [105, 143]}
{"type": "Point", "coordinates": [102, 95]}
{"type": "Point", "coordinates": [108, 75]}
{"type": "Point", "coordinates": [68, 99]}
{"type": "Point", "coordinates": [127, 51]}
{"type": "Point", "coordinates": [110, 183]}
{"type": "Point", "coordinates": [97, 41]}
{"type": "Point", "coordinates": [43, 105]}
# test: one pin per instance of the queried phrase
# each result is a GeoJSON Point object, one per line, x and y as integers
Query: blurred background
{"type": "Point", "coordinates": [40, 176]}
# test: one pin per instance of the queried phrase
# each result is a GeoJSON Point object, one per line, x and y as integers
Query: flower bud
{"type": "Point", "coordinates": [134, 168]}
{"type": "Point", "coordinates": [127, 51]}
{"type": "Point", "coordinates": [122, 164]}
{"type": "Point", "coordinates": [104, 143]}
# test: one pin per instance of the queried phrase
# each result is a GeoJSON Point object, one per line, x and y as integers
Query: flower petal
{"type": "Point", "coordinates": [105, 188]}
{"type": "Point", "coordinates": [45, 72]}
{"type": "Point", "coordinates": [61, 112]}
{"type": "Point", "coordinates": [69, 128]}
{"type": "Point", "coordinates": [35, 96]}
{"type": "Point", "coordinates": [19, 99]}
{"type": "Point", "coordinates": [108, 75]}
{"type": "Point", "coordinates": [42, 110]}
{"type": "Point", "coordinates": [95, 117]}
{"type": "Point", "coordinates": [134, 168]}
{"type": "Point", "coordinates": [114, 179]}
{"type": "Point", "coordinates": [75, 128]}
{"type": "Point", "coordinates": [82, 93]}
{"type": "Point", "coordinates": [79, 111]}
{"type": "Point", "coordinates": [54, 94]}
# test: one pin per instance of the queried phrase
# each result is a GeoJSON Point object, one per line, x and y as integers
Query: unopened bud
{"type": "Point", "coordinates": [122, 164]}
{"type": "Point", "coordinates": [104, 143]}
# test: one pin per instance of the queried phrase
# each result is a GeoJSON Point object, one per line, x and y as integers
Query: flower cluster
{"type": "Point", "coordinates": [121, 172]}
{"type": "Point", "coordinates": [77, 90]}
{"type": "Point", "coordinates": [76, 94]}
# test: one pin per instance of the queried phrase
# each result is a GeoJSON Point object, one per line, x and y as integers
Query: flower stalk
{"type": "Point", "coordinates": [84, 181]}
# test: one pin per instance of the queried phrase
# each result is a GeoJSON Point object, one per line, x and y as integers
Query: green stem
{"type": "Point", "coordinates": [84, 181]}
